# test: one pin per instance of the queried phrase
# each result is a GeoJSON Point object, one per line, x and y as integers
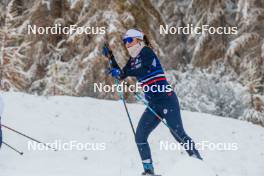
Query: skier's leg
{"type": "Point", "coordinates": [172, 114]}
{"type": "Point", "coordinates": [146, 125]}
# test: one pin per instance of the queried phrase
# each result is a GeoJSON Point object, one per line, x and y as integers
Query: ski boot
{"type": "Point", "coordinates": [148, 169]}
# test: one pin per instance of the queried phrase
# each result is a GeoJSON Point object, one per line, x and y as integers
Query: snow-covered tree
{"type": "Point", "coordinates": [211, 72]}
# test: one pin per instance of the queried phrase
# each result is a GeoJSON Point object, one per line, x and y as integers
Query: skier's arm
{"type": "Point", "coordinates": [107, 52]}
{"type": "Point", "coordinates": [114, 63]}
{"type": "Point", "coordinates": [148, 57]}
{"type": "Point", "coordinates": [115, 69]}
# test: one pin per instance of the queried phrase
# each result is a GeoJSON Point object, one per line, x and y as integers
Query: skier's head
{"type": "Point", "coordinates": [134, 41]}
{"type": "Point", "coordinates": [132, 37]}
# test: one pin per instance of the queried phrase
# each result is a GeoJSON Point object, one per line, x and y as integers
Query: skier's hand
{"type": "Point", "coordinates": [115, 73]}
{"type": "Point", "coordinates": [107, 51]}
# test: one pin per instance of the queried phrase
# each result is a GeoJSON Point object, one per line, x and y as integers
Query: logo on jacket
{"type": "Point", "coordinates": [136, 64]}
{"type": "Point", "coordinates": [165, 111]}
{"type": "Point", "coordinates": [154, 63]}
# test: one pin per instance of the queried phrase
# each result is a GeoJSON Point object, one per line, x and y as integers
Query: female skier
{"type": "Point", "coordinates": [145, 66]}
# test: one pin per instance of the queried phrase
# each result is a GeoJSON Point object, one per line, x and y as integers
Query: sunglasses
{"type": "Point", "coordinates": [128, 40]}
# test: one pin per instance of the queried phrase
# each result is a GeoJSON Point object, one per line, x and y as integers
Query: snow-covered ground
{"type": "Point", "coordinates": [104, 123]}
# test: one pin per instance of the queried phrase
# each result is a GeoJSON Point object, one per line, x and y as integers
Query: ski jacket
{"type": "Point", "coordinates": [148, 71]}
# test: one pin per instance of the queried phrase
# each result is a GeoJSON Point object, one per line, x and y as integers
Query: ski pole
{"type": "Point", "coordinates": [128, 115]}
{"type": "Point", "coordinates": [119, 93]}
{"type": "Point", "coordinates": [147, 105]}
{"type": "Point", "coordinates": [26, 136]}
{"type": "Point", "coordinates": [14, 149]}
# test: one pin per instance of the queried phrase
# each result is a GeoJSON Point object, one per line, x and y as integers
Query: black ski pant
{"type": "Point", "coordinates": [168, 108]}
